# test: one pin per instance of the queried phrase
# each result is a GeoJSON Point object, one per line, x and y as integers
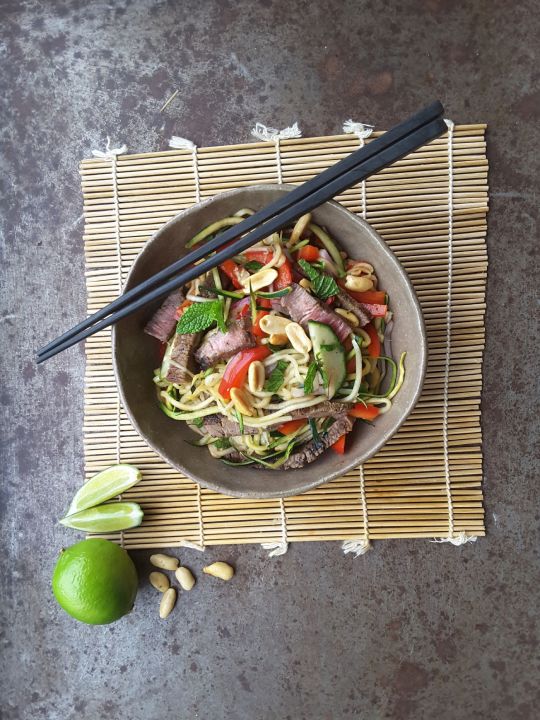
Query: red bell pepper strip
{"type": "Point", "coordinates": [239, 309]}
{"type": "Point", "coordinates": [262, 256]}
{"type": "Point", "coordinates": [284, 276]}
{"type": "Point", "coordinates": [180, 309]}
{"type": "Point", "coordinates": [256, 328]}
{"type": "Point", "coordinates": [230, 268]}
{"type": "Point", "coordinates": [310, 253]}
{"type": "Point", "coordinates": [351, 366]}
{"type": "Point", "coordinates": [375, 310]}
{"type": "Point", "coordinates": [363, 412]}
{"type": "Point", "coordinates": [377, 297]}
{"type": "Point", "coordinates": [374, 347]}
{"type": "Point", "coordinates": [237, 369]}
{"type": "Point", "coordinates": [264, 303]}
{"type": "Point", "coordinates": [339, 446]}
{"type": "Point", "coordinates": [292, 426]}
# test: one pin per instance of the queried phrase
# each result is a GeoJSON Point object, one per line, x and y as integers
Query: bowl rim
{"type": "Point", "coordinates": [352, 463]}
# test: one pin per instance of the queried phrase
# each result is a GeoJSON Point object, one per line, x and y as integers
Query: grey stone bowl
{"type": "Point", "coordinates": [136, 354]}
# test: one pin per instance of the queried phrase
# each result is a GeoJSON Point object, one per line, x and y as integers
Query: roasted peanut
{"type": "Point", "coordinates": [298, 338]}
{"type": "Point", "coordinates": [256, 376]}
{"type": "Point", "coordinates": [273, 324]}
{"type": "Point", "coordinates": [168, 601]}
{"type": "Point", "coordinates": [242, 401]}
{"type": "Point", "coordinates": [358, 284]}
{"type": "Point", "coordinates": [260, 279]}
{"type": "Point", "coordinates": [165, 562]}
{"type": "Point", "coordinates": [185, 578]}
{"type": "Point", "coordinates": [360, 268]}
{"type": "Point", "coordinates": [304, 282]}
{"type": "Point", "coordinates": [278, 339]}
{"type": "Point", "coordinates": [159, 581]}
{"type": "Point", "coordinates": [220, 570]}
{"type": "Point", "coordinates": [348, 316]}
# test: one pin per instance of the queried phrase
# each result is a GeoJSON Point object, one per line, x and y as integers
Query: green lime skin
{"type": "Point", "coordinates": [95, 581]}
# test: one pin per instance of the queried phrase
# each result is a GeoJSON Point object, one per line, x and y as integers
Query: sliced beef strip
{"type": "Point", "coordinates": [302, 307]}
{"type": "Point", "coordinates": [219, 345]}
{"type": "Point", "coordinates": [324, 409]}
{"type": "Point", "coordinates": [311, 450]}
{"type": "Point", "coordinates": [219, 426]}
{"type": "Point", "coordinates": [350, 304]}
{"type": "Point", "coordinates": [180, 358]}
{"type": "Point", "coordinates": [163, 321]}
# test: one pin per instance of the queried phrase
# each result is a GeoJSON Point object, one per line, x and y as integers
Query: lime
{"type": "Point", "coordinates": [105, 485]}
{"type": "Point", "coordinates": [95, 581]}
{"type": "Point", "coordinates": [106, 518]}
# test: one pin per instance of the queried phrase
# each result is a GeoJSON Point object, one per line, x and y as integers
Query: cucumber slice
{"type": "Point", "coordinates": [330, 355]}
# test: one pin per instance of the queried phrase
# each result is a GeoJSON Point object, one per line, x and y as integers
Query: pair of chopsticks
{"type": "Point", "coordinates": [402, 139]}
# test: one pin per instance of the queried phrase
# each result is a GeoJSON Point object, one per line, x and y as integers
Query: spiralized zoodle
{"type": "Point", "coordinates": [314, 371]}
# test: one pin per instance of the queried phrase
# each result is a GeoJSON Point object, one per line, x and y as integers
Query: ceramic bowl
{"type": "Point", "coordinates": [136, 354]}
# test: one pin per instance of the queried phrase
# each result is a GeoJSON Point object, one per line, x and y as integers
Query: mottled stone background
{"type": "Point", "coordinates": [410, 631]}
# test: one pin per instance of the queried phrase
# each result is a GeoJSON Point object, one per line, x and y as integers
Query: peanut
{"type": "Point", "coordinates": [358, 284]}
{"type": "Point", "coordinates": [242, 401]}
{"type": "Point", "coordinates": [278, 339]}
{"type": "Point", "coordinates": [360, 268]}
{"type": "Point", "coordinates": [273, 324]}
{"type": "Point", "coordinates": [185, 578]}
{"type": "Point", "coordinates": [298, 338]}
{"type": "Point", "coordinates": [168, 601]}
{"type": "Point", "coordinates": [221, 570]}
{"type": "Point", "coordinates": [165, 562]}
{"type": "Point", "coordinates": [348, 316]}
{"type": "Point", "coordinates": [256, 376]}
{"type": "Point", "coordinates": [304, 282]}
{"type": "Point", "coordinates": [260, 279]}
{"type": "Point", "coordinates": [159, 581]}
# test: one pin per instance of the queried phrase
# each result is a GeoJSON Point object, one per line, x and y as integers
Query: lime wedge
{"type": "Point", "coordinates": [105, 485]}
{"type": "Point", "coordinates": [106, 518]}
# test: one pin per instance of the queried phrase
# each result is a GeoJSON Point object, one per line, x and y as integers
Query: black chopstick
{"type": "Point", "coordinates": [393, 135]}
{"type": "Point", "coordinates": [388, 156]}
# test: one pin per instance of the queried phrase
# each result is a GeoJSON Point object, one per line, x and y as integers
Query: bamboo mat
{"type": "Point", "coordinates": [431, 209]}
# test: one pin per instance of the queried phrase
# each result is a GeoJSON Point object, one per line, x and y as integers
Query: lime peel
{"type": "Point", "coordinates": [106, 518]}
{"type": "Point", "coordinates": [104, 486]}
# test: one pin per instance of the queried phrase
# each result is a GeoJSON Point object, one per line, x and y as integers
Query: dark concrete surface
{"type": "Point", "coordinates": [412, 630]}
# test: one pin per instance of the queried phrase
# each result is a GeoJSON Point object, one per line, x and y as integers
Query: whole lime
{"type": "Point", "coordinates": [95, 581]}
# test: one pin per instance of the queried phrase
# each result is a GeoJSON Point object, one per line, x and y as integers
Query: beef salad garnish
{"type": "Point", "coordinates": [272, 357]}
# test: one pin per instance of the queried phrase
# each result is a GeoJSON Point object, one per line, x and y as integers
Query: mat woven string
{"type": "Point", "coordinates": [431, 209]}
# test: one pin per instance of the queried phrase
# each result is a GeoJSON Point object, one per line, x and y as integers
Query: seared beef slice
{"type": "Point", "coordinates": [302, 307]}
{"type": "Point", "coordinates": [163, 321]}
{"type": "Point", "coordinates": [180, 358]}
{"type": "Point", "coordinates": [219, 345]}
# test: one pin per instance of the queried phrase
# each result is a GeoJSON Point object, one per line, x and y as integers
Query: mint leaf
{"type": "Point", "coordinates": [277, 376]}
{"type": "Point", "coordinates": [200, 316]}
{"type": "Point", "coordinates": [309, 270]}
{"type": "Point", "coordinates": [310, 378]}
{"type": "Point", "coordinates": [253, 265]}
{"type": "Point", "coordinates": [324, 286]}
